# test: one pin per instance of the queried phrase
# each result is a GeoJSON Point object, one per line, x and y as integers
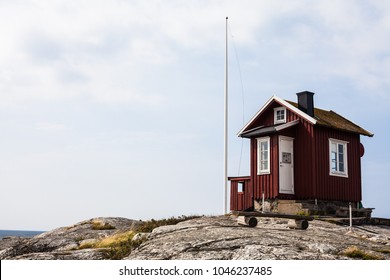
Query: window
{"type": "Point", "coordinates": [263, 155]}
{"type": "Point", "coordinates": [338, 158]}
{"type": "Point", "coordinates": [279, 115]}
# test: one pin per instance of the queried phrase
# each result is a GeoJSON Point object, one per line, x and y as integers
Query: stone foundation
{"type": "Point", "coordinates": [312, 207]}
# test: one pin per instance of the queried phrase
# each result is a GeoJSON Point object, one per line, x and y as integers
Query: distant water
{"type": "Point", "coordinates": [21, 233]}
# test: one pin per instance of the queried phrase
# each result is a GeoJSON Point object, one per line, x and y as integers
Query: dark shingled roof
{"type": "Point", "coordinates": [333, 120]}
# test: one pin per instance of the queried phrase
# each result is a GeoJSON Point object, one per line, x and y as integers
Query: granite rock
{"type": "Point", "coordinates": [206, 238]}
{"type": "Point", "coordinates": [220, 238]}
{"type": "Point", "coordinates": [63, 243]}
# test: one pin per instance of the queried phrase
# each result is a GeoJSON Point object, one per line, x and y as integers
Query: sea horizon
{"type": "Point", "coordinates": [19, 233]}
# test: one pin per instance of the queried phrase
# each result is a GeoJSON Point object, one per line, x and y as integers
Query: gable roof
{"type": "Point", "coordinates": [321, 117]}
{"type": "Point", "coordinates": [283, 103]}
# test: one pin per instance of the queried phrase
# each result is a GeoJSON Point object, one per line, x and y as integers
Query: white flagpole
{"type": "Point", "coordinates": [225, 155]}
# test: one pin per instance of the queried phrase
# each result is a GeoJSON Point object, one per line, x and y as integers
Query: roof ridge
{"type": "Point", "coordinates": [316, 108]}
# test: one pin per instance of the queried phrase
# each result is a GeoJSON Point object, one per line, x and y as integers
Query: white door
{"type": "Point", "coordinates": [286, 165]}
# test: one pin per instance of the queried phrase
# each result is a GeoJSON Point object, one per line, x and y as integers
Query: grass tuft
{"type": "Point", "coordinates": [88, 245]}
{"type": "Point", "coordinates": [110, 241]}
{"type": "Point", "coordinates": [384, 251]}
{"type": "Point", "coordinates": [122, 249]}
{"type": "Point", "coordinates": [116, 239]}
{"type": "Point", "coordinates": [149, 226]}
{"type": "Point", "coordinates": [302, 213]}
{"type": "Point", "coordinates": [98, 225]}
{"type": "Point", "coordinates": [118, 246]}
{"type": "Point", "coordinates": [356, 253]}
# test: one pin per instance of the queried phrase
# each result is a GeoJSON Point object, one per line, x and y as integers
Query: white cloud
{"type": "Point", "coordinates": [50, 127]}
{"type": "Point", "coordinates": [88, 49]}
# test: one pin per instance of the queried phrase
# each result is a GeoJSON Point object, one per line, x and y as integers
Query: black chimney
{"type": "Point", "coordinates": [305, 102]}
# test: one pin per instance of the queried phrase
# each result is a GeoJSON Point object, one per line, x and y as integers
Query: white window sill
{"type": "Point", "coordinates": [339, 174]}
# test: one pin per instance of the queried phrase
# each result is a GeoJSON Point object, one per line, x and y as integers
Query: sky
{"type": "Point", "coordinates": [115, 108]}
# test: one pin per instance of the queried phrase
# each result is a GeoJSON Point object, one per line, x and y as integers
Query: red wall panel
{"type": "Point", "coordinates": [334, 187]}
{"type": "Point", "coordinates": [241, 200]}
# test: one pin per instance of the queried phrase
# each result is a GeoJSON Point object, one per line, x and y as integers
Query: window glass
{"type": "Point", "coordinates": [341, 148]}
{"type": "Point", "coordinates": [341, 167]}
{"type": "Point", "coordinates": [240, 187]}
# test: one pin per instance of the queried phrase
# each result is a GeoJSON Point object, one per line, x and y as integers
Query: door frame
{"type": "Point", "coordinates": [280, 158]}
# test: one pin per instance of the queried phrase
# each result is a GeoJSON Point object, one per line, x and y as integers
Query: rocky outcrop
{"type": "Point", "coordinates": [64, 243]}
{"type": "Point", "coordinates": [220, 238]}
{"type": "Point", "coordinates": [216, 238]}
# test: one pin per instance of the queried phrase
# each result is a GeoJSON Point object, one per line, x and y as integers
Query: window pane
{"type": "Point", "coordinates": [341, 167]}
{"type": "Point", "coordinates": [240, 187]}
{"type": "Point", "coordinates": [264, 161]}
{"type": "Point", "coordinates": [341, 158]}
{"type": "Point", "coordinates": [334, 166]}
{"type": "Point", "coordinates": [341, 149]}
{"type": "Point", "coordinates": [280, 115]}
{"type": "Point", "coordinates": [334, 148]}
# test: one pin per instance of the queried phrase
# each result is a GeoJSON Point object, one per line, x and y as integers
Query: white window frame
{"type": "Point", "coordinates": [338, 158]}
{"type": "Point", "coordinates": [260, 153]}
{"type": "Point", "coordinates": [278, 109]}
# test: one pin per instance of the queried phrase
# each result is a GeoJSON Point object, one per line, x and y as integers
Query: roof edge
{"type": "Point", "coordinates": [367, 133]}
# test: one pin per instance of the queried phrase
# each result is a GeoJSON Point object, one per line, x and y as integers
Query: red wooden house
{"type": "Point", "coordinates": [299, 153]}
